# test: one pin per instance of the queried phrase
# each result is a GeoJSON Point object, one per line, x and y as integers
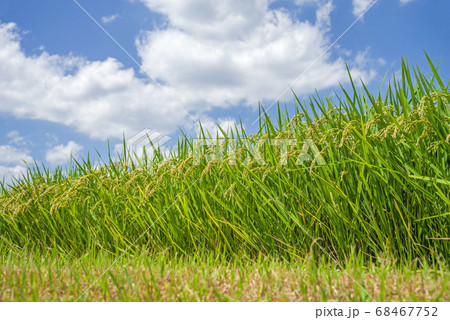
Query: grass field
{"type": "Point", "coordinates": [357, 208]}
{"type": "Point", "coordinates": [166, 277]}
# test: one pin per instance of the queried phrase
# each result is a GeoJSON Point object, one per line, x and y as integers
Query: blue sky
{"type": "Point", "coordinates": [67, 88]}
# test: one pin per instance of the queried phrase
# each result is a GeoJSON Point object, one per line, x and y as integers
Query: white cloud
{"type": "Point", "coordinates": [109, 19]}
{"type": "Point", "coordinates": [12, 155]}
{"type": "Point", "coordinates": [8, 174]}
{"type": "Point", "coordinates": [211, 126]}
{"type": "Point", "coordinates": [359, 6]}
{"type": "Point", "coordinates": [16, 139]}
{"type": "Point", "coordinates": [256, 59]}
{"type": "Point", "coordinates": [212, 54]}
{"type": "Point", "coordinates": [363, 60]}
{"type": "Point", "coordinates": [143, 140]}
{"type": "Point", "coordinates": [12, 162]}
{"type": "Point", "coordinates": [98, 98]}
{"type": "Point", "coordinates": [302, 2]}
{"type": "Point", "coordinates": [214, 19]}
{"type": "Point", "coordinates": [61, 154]}
{"type": "Point", "coordinates": [52, 139]}
{"type": "Point", "coordinates": [324, 12]}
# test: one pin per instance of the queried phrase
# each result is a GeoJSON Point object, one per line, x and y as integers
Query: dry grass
{"type": "Point", "coordinates": [169, 279]}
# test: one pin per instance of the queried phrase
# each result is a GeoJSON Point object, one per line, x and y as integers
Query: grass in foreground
{"type": "Point", "coordinates": [167, 278]}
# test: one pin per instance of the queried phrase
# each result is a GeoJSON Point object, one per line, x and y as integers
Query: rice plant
{"type": "Point", "coordinates": [377, 183]}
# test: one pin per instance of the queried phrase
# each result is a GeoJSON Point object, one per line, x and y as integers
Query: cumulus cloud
{"type": "Point", "coordinates": [109, 19]}
{"type": "Point", "coordinates": [207, 54]}
{"type": "Point", "coordinates": [359, 6]}
{"type": "Point", "coordinates": [12, 162]}
{"type": "Point", "coordinates": [213, 19]}
{"type": "Point", "coordinates": [211, 126]}
{"type": "Point", "coordinates": [61, 154]}
{"type": "Point", "coordinates": [99, 98]}
{"type": "Point", "coordinates": [225, 59]}
{"type": "Point", "coordinates": [9, 174]}
{"type": "Point", "coordinates": [12, 155]}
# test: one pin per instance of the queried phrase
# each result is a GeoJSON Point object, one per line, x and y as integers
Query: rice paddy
{"type": "Point", "coordinates": [362, 216]}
